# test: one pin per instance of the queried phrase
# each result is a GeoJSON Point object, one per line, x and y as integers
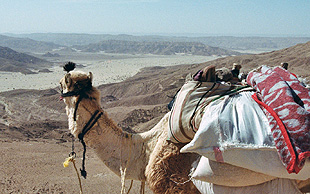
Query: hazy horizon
{"type": "Point", "coordinates": [167, 34]}
{"type": "Point", "coordinates": [278, 18]}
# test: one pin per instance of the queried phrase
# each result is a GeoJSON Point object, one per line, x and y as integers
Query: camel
{"type": "Point", "coordinates": [122, 151]}
{"type": "Point", "coordinates": [146, 157]}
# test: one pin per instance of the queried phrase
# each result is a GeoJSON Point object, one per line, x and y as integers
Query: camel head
{"type": "Point", "coordinates": [76, 82]}
{"type": "Point", "coordinates": [76, 87]}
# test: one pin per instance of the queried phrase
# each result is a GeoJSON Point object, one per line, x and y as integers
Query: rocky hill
{"type": "Point", "coordinates": [14, 61]}
{"type": "Point", "coordinates": [158, 48]}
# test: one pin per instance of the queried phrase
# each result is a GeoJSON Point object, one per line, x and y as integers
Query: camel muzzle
{"type": "Point", "coordinates": [70, 94]}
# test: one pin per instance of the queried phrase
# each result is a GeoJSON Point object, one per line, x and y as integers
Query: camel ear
{"type": "Point", "coordinates": [68, 80]}
{"type": "Point", "coordinates": [90, 77]}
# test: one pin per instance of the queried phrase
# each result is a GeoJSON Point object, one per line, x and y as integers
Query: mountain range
{"type": "Point", "coordinates": [115, 46]}
{"type": "Point", "coordinates": [225, 42]}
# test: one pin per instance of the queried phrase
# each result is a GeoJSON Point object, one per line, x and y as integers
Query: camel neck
{"type": "Point", "coordinates": [90, 110]}
{"type": "Point", "coordinates": [116, 148]}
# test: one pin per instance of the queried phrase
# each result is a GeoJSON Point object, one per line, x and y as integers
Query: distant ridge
{"type": "Point", "coordinates": [26, 44]}
{"type": "Point", "coordinates": [14, 61]}
{"type": "Point", "coordinates": [123, 43]}
{"type": "Point", "coordinates": [226, 42]}
{"type": "Point", "coordinates": [157, 48]}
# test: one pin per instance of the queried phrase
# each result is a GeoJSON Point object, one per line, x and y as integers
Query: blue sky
{"type": "Point", "coordinates": [196, 17]}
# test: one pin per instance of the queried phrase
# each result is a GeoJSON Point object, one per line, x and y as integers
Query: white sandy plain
{"type": "Point", "coordinates": [104, 71]}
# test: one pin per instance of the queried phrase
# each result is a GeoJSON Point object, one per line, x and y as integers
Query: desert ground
{"type": "Point", "coordinates": [31, 164]}
{"type": "Point", "coordinates": [36, 167]}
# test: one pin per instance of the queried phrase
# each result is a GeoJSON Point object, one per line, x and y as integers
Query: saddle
{"type": "Point", "coordinates": [190, 101]}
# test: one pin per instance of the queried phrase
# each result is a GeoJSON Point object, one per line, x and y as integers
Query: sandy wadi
{"type": "Point", "coordinates": [105, 71]}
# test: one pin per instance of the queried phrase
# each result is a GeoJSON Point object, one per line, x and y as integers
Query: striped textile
{"type": "Point", "coordinates": [189, 106]}
{"type": "Point", "coordinates": [287, 106]}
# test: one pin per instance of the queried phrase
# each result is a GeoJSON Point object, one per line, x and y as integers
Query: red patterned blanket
{"type": "Point", "coordinates": [286, 103]}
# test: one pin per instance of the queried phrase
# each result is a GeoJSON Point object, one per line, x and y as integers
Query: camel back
{"type": "Point", "coordinates": [189, 106]}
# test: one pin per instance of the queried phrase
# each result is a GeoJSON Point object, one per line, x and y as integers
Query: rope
{"type": "Point", "coordinates": [94, 118]}
{"type": "Point", "coordinates": [66, 164]}
{"type": "Point", "coordinates": [77, 173]}
{"type": "Point", "coordinates": [83, 171]}
{"type": "Point", "coordinates": [72, 148]}
{"type": "Point", "coordinates": [183, 183]}
{"type": "Point", "coordinates": [76, 107]}
{"type": "Point", "coordinates": [130, 187]}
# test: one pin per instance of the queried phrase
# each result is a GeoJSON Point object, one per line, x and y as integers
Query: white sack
{"type": "Point", "coordinates": [235, 130]}
{"type": "Point", "coordinates": [277, 186]}
{"type": "Point", "coordinates": [227, 175]}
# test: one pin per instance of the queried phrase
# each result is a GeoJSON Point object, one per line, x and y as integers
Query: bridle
{"type": "Point", "coordinates": [79, 92]}
{"type": "Point", "coordinates": [91, 122]}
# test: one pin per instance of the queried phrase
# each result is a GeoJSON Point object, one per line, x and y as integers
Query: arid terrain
{"type": "Point", "coordinates": [34, 140]}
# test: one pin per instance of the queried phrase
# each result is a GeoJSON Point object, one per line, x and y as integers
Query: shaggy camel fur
{"type": "Point", "coordinates": [145, 156]}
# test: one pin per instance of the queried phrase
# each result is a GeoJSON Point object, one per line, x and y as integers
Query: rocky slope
{"type": "Point", "coordinates": [14, 61]}
{"type": "Point", "coordinates": [297, 56]}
